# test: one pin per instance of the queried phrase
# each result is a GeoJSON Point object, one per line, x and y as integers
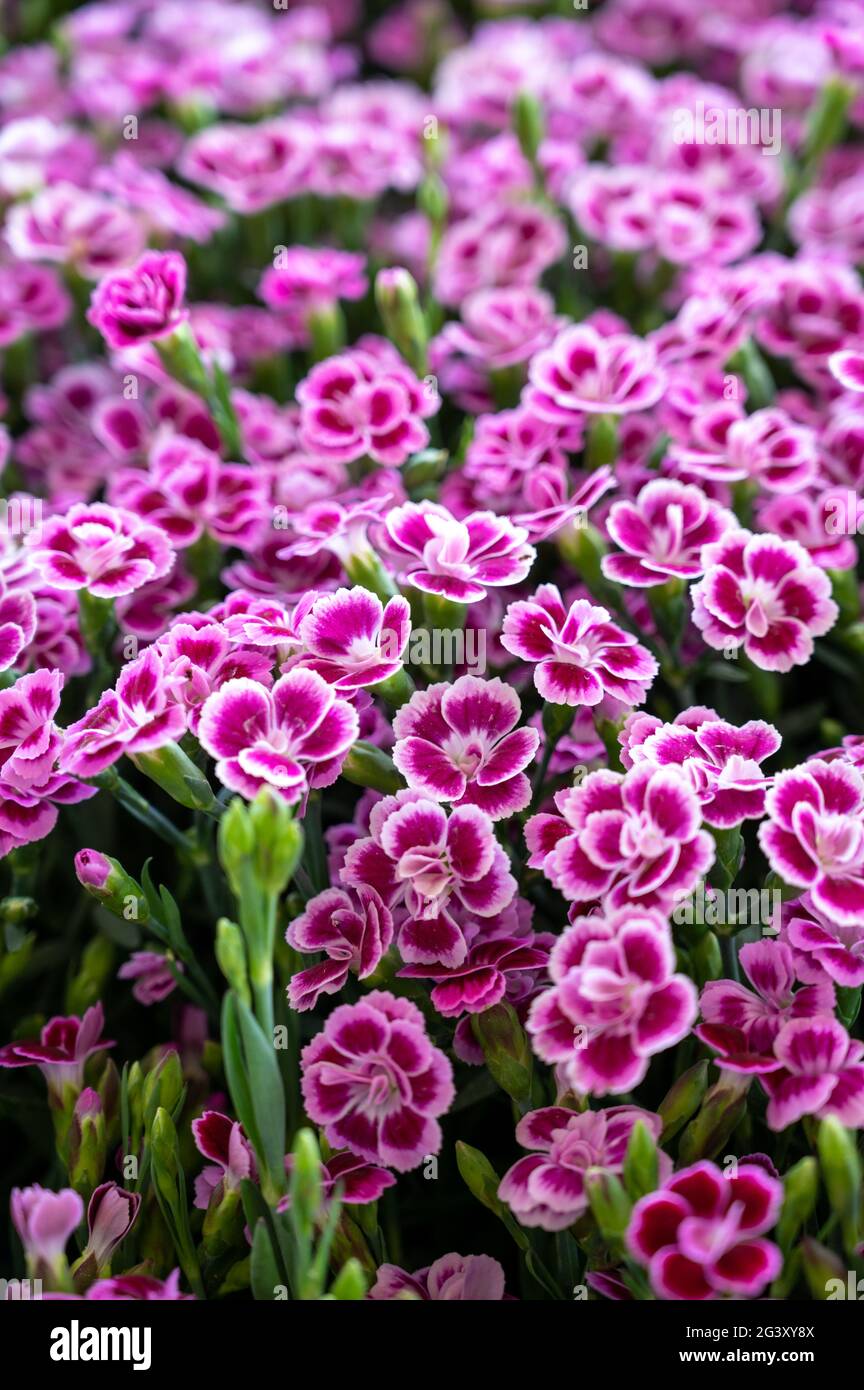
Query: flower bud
{"type": "Point", "coordinates": [683, 1099]}
{"type": "Point", "coordinates": [368, 766]}
{"type": "Point", "coordinates": [278, 841]}
{"type": "Point", "coordinates": [350, 1282]}
{"type": "Point", "coordinates": [506, 1050]}
{"type": "Point", "coordinates": [399, 306]}
{"type": "Point", "coordinates": [801, 1189]}
{"type": "Point", "coordinates": [236, 842]}
{"type": "Point", "coordinates": [307, 1188]}
{"type": "Point", "coordinates": [822, 1267]}
{"type": "Point", "coordinates": [108, 882]}
{"type": "Point", "coordinates": [111, 1215]}
{"type": "Point", "coordinates": [528, 124]}
{"type": "Point", "coordinates": [231, 956]}
{"type": "Point", "coordinates": [610, 1205]}
{"type": "Point", "coordinates": [163, 1087]}
{"type": "Point", "coordinates": [721, 1111]}
{"type": "Point", "coordinates": [641, 1165]}
{"type": "Point", "coordinates": [87, 1143]}
{"type": "Point", "coordinates": [841, 1173]}
{"type": "Point", "coordinates": [172, 770]}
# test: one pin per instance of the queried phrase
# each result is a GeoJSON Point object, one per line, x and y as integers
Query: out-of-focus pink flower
{"type": "Point", "coordinates": [86, 231]}
{"type": "Point", "coordinates": [453, 1278]}
{"type": "Point", "coordinates": [106, 550]}
{"type": "Point", "coordinates": [375, 1082]}
{"type": "Point", "coordinates": [251, 166]}
{"type": "Point", "coordinates": [306, 280]}
{"type": "Point", "coordinates": [821, 1073]}
{"type": "Point", "coordinates": [360, 404]}
{"type": "Point", "coordinates": [615, 1001]}
{"type": "Point", "coordinates": [699, 1235]}
{"type": "Point", "coordinates": [354, 930]}
{"type": "Point", "coordinates": [766, 595]}
{"type": "Point", "coordinates": [45, 1220]}
{"type": "Point", "coordinates": [663, 534]}
{"type": "Point", "coordinates": [814, 835]}
{"type": "Point", "coordinates": [809, 520]}
{"type": "Point", "coordinates": [721, 760]}
{"type": "Point", "coordinates": [501, 327]}
{"type": "Point", "coordinates": [291, 737]}
{"type": "Point", "coordinates": [584, 372]}
{"type": "Point", "coordinates": [511, 244]}
{"type": "Point", "coordinates": [188, 490]}
{"type": "Point", "coordinates": [61, 1050]}
{"type": "Point", "coordinates": [154, 980]}
{"type": "Point", "coordinates": [459, 743]}
{"type": "Point", "coordinates": [547, 1188]}
{"type": "Point", "coordinates": [458, 559]}
{"type": "Point", "coordinates": [632, 839]}
{"type": "Point", "coordinates": [139, 1288]}
{"type": "Point", "coordinates": [418, 856]}
{"type": "Point", "coordinates": [579, 655]}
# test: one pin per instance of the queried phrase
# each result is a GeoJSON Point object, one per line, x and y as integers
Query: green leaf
{"type": "Point", "coordinates": [256, 1087]}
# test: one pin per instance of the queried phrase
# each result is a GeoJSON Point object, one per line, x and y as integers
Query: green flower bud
{"type": "Point", "coordinates": [528, 124]}
{"type": "Point", "coordinates": [97, 967]}
{"type": "Point", "coordinates": [841, 1173]}
{"type": "Point", "coordinates": [87, 1144]}
{"type": "Point", "coordinates": [172, 770]}
{"type": "Point", "coordinates": [107, 881]}
{"type": "Point", "coordinates": [368, 766]}
{"type": "Point", "coordinates": [231, 956]}
{"type": "Point", "coordinates": [822, 1267]}
{"type": "Point", "coordinates": [507, 1051]}
{"type": "Point", "coordinates": [307, 1190]}
{"type": "Point", "coordinates": [801, 1189]}
{"type": "Point", "coordinates": [641, 1165]}
{"type": "Point", "coordinates": [236, 842]}
{"type": "Point", "coordinates": [350, 1283]}
{"type": "Point", "coordinates": [404, 323]}
{"type": "Point", "coordinates": [721, 1111]}
{"type": "Point", "coordinates": [278, 841]}
{"type": "Point", "coordinates": [683, 1099]}
{"type": "Point", "coordinates": [610, 1205]}
{"type": "Point", "coordinates": [163, 1087]}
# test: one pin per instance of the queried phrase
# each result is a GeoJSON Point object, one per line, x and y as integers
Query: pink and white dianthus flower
{"type": "Point", "coordinates": [547, 1187]}
{"type": "Point", "coordinates": [251, 166]}
{"type": "Point", "coordinates": [61, 1050]}
{"type": "Point", "coordinates": [663, 533]}
{"type": "Point", "coordinates": [153, 976]}
{"type": "Point", "coordinates": [821, 1073]}
{"type": "Point", "coordinates": [579, 655]}
{"type": "Point", "coordinates": [484, 977]}
{"type": "Point", "coordinates": [811, 520]}
{"type": "Point", "coordinates": [452, 1279]}
{"type": "Point", "coordinates": [814, 835]}
{"type": "Point", "coordinates": [615, 1001]}
{"type": "Point", "coordinates": [138, 716]}
{"type": "Point", "coordinates": [508, 244]}
{"type": "Point", "coordinates": [699, 1235]}
{"type": "Point", "coordinates": [501, 327]}
{"type": "Point", "coordinates": [741, 1024]}
{"type": "Point", "coordinates": [44, 1220]}
{"type": "Point", "coordinates": [86, 231]}
{"type": "Point", "coordinates": [457, 559]}
{"type": "Point", "coordinates": [106, 550]}
{"type": "Point", "coordinates": [722, 761]}
{"type": "Point", "coordinates": [232, 1160]}
{"type": "Point", "coordinates": [306, 279]}
{"type": "Point", "coordinates": [198, 659]}
{"type": "Point", "coordinates": [353, 640]}
{"type": "Point", "coordinates": [292, 737]}
{"type": "Point", "coordinates": [459, 743]}
{"type": "Point", "coordinates": [625, 839]}
{"type": "Point", "coordinates": [419, 856]}
{"type": "Point", "coordinates": [141, 304]}
{"type": "Point", "coordinates": [188, 490]}
{"type": "Point", "coordinates": [823, 947]}
{"type": "Point", "coordinates": [354, 930]}
{"type": "Point", "coordinates": [375, 1082]}
{"type": "Point", "coordinates": [773, 450]}
{"type": "Point", "coordinates": [766, 595]}
{"type": "Point", "coordinates": [359, 403]}
{"type": "Point", "coordinates": [585, 372]}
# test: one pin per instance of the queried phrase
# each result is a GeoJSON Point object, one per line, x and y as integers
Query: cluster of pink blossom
{"type": "Point", "coordinates": [430, 522]}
